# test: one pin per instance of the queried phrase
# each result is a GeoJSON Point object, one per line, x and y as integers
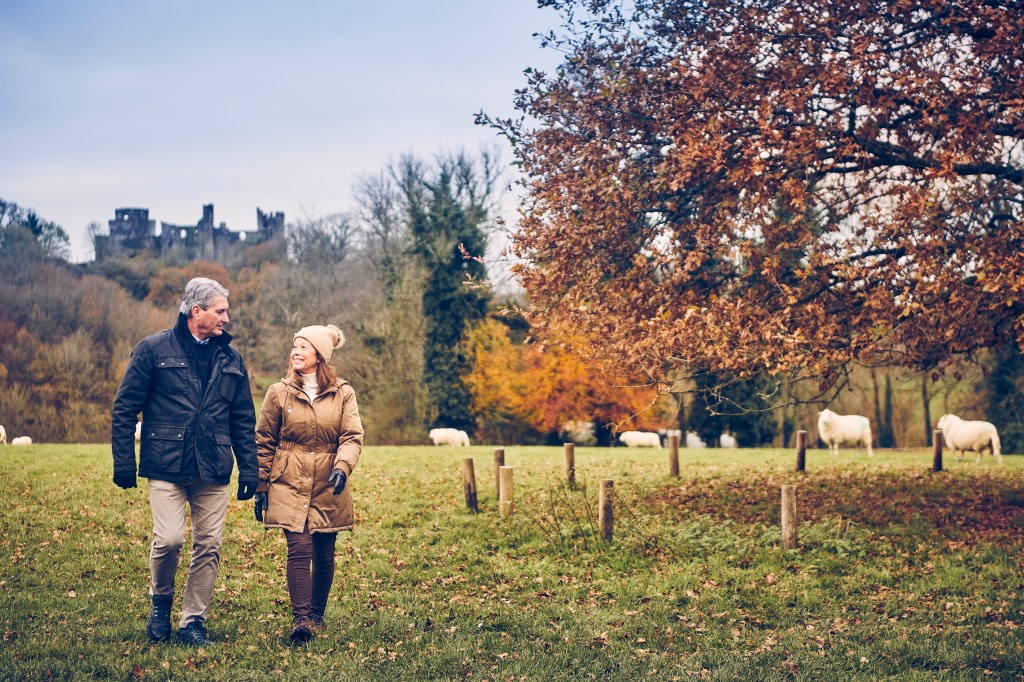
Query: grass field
{"type": "Point", "coordinates": [901, 573]}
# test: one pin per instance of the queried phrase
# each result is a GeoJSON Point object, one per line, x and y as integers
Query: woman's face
{"type": "Point", "coordinates": [303, 356]}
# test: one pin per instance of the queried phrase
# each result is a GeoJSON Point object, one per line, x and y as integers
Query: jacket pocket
{"type": "Point", "coordinates": [229, 378]}
{"type": "Point", "coordinates": [163, 447]}
{"type": "Point", "coordinates": [171, 376]}
{"type": "Point", "coordinates": [279, 465]}
{"type": "Point", "coordinates": [224, 462]}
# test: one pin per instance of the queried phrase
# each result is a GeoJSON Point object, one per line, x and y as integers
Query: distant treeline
{"type": "Point", "coordinates": [405, 276]}
{"type": "Point", "coordinates": [429, 342]}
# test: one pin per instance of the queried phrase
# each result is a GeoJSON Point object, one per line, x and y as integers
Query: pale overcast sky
{"type": "Point", "coordinates": [243, 103]}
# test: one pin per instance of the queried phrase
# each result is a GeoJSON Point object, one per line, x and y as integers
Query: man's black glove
{"type": "Point", "coordinates": [337, 479]}
{"type": "Point", "coordinates": [124, 479]}
{"type": "Point", "coordinates": [246, 490]}
{"type": "Point", "coordinates": [260, 506]}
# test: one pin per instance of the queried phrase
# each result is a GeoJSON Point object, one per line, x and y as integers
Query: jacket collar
{"type": "Point", "coordinates": [294, 385]}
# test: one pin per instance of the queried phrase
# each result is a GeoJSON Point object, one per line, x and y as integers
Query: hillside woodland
{"type": "Point", "coordinates": [405, 276]}
{"type": "Point", "coordinates": [430, 342]}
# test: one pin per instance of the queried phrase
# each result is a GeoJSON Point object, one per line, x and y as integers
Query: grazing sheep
{"type": "Point", "coordinates": [456, 437]}
{"type": "Point", "coordinates": [666, 434]}
{"type": "Point", "coordinates": [21, 440]}
{"type": "Point", "coordinates": [977, 436]}
{"type": "Point", "coordinates": [579, 432]}
{"type": "Point", "coordinates": [640, 439]}
{"type": "Point", "coordinates": [835, 429]}
{"type": "Point", "coordinates": [694, 441]}
{"type": "Point", "coordinates": [3, 435]}
{"type": "Point", "coordinates": [727, 440]}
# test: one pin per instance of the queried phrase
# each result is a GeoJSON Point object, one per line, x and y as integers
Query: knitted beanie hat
{"type": "Point", "coordinates": [324, 338]}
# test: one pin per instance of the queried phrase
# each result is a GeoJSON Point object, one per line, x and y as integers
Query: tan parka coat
{"type": "Point", "coordinates": [298, 443]}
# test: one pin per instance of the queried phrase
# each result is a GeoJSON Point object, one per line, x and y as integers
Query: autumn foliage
{"type": "Point", "coordinates": [519, 388]}
{"type": "Point", "coordinates": [65, 338]}
{"type": "Point", "coordinates": [746, 185]}
{"type": "Point", "coordinates": [166, 286]}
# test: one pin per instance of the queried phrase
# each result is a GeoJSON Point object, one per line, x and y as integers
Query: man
{"type": "Point", "coordinates": [193, 391]}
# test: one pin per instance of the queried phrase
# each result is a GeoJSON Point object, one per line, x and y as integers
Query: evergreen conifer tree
{"type": "Point", "coordinates": [739, 406]}
{"type": "Point", "coordinates": [1006, 399]}
{"type": "Point", "coordinates": [447, 236]}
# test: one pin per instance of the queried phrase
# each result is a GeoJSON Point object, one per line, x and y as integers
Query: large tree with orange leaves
{"type": "Point", "coordinates": [739, 186]}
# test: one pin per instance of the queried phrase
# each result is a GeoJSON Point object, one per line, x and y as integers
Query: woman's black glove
{"type": "Point", "coordinates": [260, 505]}
{"type": "Point", "coordinates": [337, 478]}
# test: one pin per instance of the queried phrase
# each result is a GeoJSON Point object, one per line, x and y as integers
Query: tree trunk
{"type": "Point", "coordinates": [926, 403]}
{"type": "Point", "coordinates": [877, 431]}
{"type": "Point", "coordinates": [888, 439]}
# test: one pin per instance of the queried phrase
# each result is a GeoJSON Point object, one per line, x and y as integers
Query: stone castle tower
{"type": "Point", "coordinates": [133, 233]}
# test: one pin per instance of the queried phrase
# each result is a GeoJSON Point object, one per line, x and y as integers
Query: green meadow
{"type": "Point", "coordinates": [901, 572]}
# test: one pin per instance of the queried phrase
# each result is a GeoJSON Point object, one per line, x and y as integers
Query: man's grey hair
{"type": "Point", "coordinates": [200, 291]}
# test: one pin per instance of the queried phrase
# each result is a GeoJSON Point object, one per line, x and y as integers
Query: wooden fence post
{"type": "Point", "coordinates": [801, 450]}
{"type": "Point", "coordinates": [673, 455]}
{"type": "Point", "coordinates": [605, 511]}
{"type": "Point", "coordinates": [499, 461]}
{"type": "Point", "coordinates": [570, 463]}
{"type": "Point", "coordinates": [469, 483]}
{"type": "Point", "coordinates": [506, 505]}
{"type": "Point", "coordinates": [789, 517]}
{"type": "Point", "coordinates": [937, 452]}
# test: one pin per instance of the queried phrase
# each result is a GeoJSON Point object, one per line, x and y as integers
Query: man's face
{"type": "Point", "coordinates": [210, 322]}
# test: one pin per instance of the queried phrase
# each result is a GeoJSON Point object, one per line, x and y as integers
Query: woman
{"type": "Point", "coordinates": [308, 441]}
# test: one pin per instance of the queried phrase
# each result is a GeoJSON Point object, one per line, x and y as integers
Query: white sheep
{"type": "Point", "coordinates": [579, 432]}
{"type": "Point", "coordinates": [666, 435]}
{"type": "Point", "coordinates": [138, 431]}
{"type": "Point", "coordinates": [727, 440]}
{"type": "Point", "coordinates": [838, 429]}
{"type": "Point", "coordinates": [3, 435]}
{"type": "Point", "coordinates": [455, 437]}
{"type": "Point", "coordinates": [977, 436]}
{"type": "Point", "coordinates": [21, 440]}
{"type": "Point", "coordinates": [640, 439]}
{"type": "Point", "coordinates": [694, 441]}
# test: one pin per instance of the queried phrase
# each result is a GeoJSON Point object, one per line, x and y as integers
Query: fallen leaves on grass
{"type": "Point", "coordinates": [967, 507]}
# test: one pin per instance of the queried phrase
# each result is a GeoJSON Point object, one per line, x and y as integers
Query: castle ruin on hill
{"type": "Point", "coordinates": [132, 233]}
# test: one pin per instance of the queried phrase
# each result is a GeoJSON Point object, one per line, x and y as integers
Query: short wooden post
{"type": "Point", "coordinates": [673, 455]}
{"type": "Point", "coordinates": [505, 505]}
{"type": "Point", "coordinates": [570, 464]}
{"type": "Point", "coordinates": [801, 450]}
{"type": "Point", "coordinates": [469, 483]}
{"type": "Point", "coordinates": [605, 511]}
{"type": "Point", "coordinates": [937, 451]}
{"type": "Point", "coordinates": [789, 517]}
{"type": "Point", "coordinates": [499, 461]}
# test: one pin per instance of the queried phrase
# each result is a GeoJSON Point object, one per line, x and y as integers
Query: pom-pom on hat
{"type": "Point", "coordinates": [324, 338]}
